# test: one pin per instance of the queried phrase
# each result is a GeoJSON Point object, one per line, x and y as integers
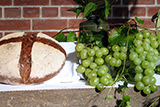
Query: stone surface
{"type": "Point", "coordinates": [74, 98]}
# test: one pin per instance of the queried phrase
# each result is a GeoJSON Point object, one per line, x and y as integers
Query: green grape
{"type": "Point", "coordinates": [99, 53]}
{"type": "Point", "coordinates": [138, 77]}
{"type": "Point", "coordinates": [115, 48]}
{"type": "Point", "coordinates": [96, 69]}
{"type": "Point", "coordinates": [108, 76]}
{"type": "Point", "coordinates": [118, 63]}
{"type": "Point", "coordinates": [138, 69]}
{"type": "Point", "coordinates": [145, 64]}
{"type": "Point", "coordinates": [146, 80]}
{"type": "Point", "coordinates": [147, 40]}
{"type": "Point", "coordinates": [137, 61]}
{"type": "Point", "coordinates": [149, 72]}
{"type": "Point", "coordinates": [139, 49]}
{"type": "Point", "coordinates": [91, 52]}
{"type": "Point", "coordinates": [146, 90]}
{"type": "Point", "coordinates": [146, 34]}
{"type": "Point", "coordinates": [102, 72]}
{"type": "Point", "coordinates": [158, 41]}
{"type": "Point", "coordinates": [111, 82]}
{"type": "Point", "coordinates": [142, 56]}
{"type": "Point", "coordinates": [146, 46]}
{"type": "Point", "coordinates": [92, 74]}
{"type": "Point", "coordinates": [139, 85]}
{"type": "Point", "coordinates": [108, 58]}
{"type": "Point", "coordinates": [78, 54]}
{"type": "Point", "coordinates": [104, 50]}
{"type": "Point", "coordinates": [151, 65]}
{"type": "Point", "coordinates": [137, 43]}
{"type": "Point", "coordinates": [81, 69]}
{"type": "Point", "coordinates": [122, 56]}
{"type": "Point", "coordinates": [96, 48]}
{"type": "Point", "coordinates": [87, 71]}
{"type": "Point", "coordinates": [133, 55]}
{"type": "Point", "coordinates": [83, 54]}
{"type": "Point", "coordinates": [123, 49]}
{"type": "Point", "coordinates": [93, 65]}
{"type": "Point", "coordinates": [79, 47]}
{"type": "Point", "coordinates": [104, 80]}
{"type": "Point", "coordinates": [86, 63]}
{"type": "Point", "coordinates": [152, 37]}
{"type": "Point", "coordinates": [116, 55]}
{"type": "Point", "coordinates": [139, 36]}
{"type": "Point", "coordinates": [149, 57]}
{"type": "Point", "coordinates": [100, 86]}
{"type": "Point", "coordinates": [91, 58]}
{"type": "Point", "coordinates": [94, 81]}
{"type": "Point", "coordinates": [104, 67]}
{"type": "Point", "coordinates": [154, 44]}
{"type": "Point", "coordinates": [153, 88]}
{"type": "Point", "coordinates": [153, 80]}
{"type": "Point", "coordinates": [155, 58]}
{"type": "Point", "coordinates": [113, 61]}
{"type": "Point", "coordinates": [156, 52]}
{"type": "Point", "coordinates": [99, 61]}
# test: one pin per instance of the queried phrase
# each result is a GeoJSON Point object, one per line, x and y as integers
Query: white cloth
{"type": "Point", "coordinates": [68, 78]}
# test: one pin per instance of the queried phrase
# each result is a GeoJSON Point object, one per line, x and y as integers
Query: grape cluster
{"type": "Point", "coordinates": [144, 55]}
{"type": "Point", "coordinates": [92, 65]}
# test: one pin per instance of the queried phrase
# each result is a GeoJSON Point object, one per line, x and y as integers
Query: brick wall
{"type": "Point", "coordinates": [50, 16]}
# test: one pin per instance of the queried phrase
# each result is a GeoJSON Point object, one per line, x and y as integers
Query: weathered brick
{"type": "Point", "coordinates": [138, 11]}
{"type": "Point", "coordinates": [14, 24]}
{"type": "Point", "coordinates": [49, 12]}
{"type": "Point", "coordinates": [5, 2]}
{"type": "Point", "coordinates": [12, 12]}
{"type": "Point", "coordinates": [135, 2]}
{"type": "Point", "coordinates": [65, 13]}
{"type": "Point", "coordinates": [63, 2]}
{"type": "Point", "coordinates": [49, 24]}
{"type": "Point", "coordinates": [31, 12]}
{"type": "Point", "coordinates": [31, 2]}
{"type": "Point", "coordinates": [0, 12]}
{"type": "Point", "coordinates": [120, 11]}
{"type": "Point", "coordinates": [152, 10]}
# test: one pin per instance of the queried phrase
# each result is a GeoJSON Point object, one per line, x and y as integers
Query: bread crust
{"type": "Point", "coordinates": [25, 59]}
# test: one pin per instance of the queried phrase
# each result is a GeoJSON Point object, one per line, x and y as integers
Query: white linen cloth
{"type": "Point", "coordinates": [68, 78]}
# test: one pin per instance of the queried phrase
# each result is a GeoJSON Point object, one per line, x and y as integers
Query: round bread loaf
{"type": "Point", "coordinates": [29, 59]}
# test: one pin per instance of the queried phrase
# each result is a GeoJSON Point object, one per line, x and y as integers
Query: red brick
{"type": "Point", "coordinates": [74, 23]}
{"type": "Point", "coordinates": [138, 11]}
{"type": "Point", "coordinates": [1, 34]}
{"type": "Point", "coordinates": [14, 24]}
{"type": "Point", "coordinates": [31, 2]}
{"type": "Point", "coordinates": [0, 12]}
{"type": "Point", "coordinates": [65, 13]}
{"type": "Point", "coordinates": [12, 12]}
{"type": "Point", "coordinates": [120, 11]}
{"type": "Point", "coordinates": [49, 24]}
{"type": "Point", "coordinates": [63, 2]}
{"type": "Point", "coordinates": [152, 10]}
{"type": "Point", "coordinates": [158, 1]}
{"type": "Point", "coordinates": [135, 2]}
{"type": "Point", "coordinates": [147, 23]}
{"type": "Point", "coordinates": [31, 12]}
{"type": "Point", "coordinates": [49, 12]}
{"type": "Point", "coordinates": [5, 2]}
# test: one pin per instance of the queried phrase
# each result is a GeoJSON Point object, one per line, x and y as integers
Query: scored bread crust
{"type": "Point", "coordinates": [29, 59]}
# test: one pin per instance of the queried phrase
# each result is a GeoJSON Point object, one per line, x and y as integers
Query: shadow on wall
{"type": "Point", "coordinates": [121, 12]}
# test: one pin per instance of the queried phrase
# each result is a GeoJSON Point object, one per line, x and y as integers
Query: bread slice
{"type": "Point", "coordinates": [29, 59]}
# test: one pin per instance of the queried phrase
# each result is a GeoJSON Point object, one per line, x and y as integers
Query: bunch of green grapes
{"type": "Point", "coordinates": [144, 55]}
{"type": "Point", "coordinates": [92, 65]}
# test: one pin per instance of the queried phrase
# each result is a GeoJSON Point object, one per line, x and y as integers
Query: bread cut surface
{"type": "Point", "coordinates": [29, 59]}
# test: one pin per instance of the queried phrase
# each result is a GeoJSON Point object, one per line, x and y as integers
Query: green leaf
{"type": "Point", "coordinates": [78, 11]}
{"type": "Point", "coordinates": [90, 7]}
{"type": "Point", "coordinates": [139, 21]}
{"type": "Point", "coordinates": [109, 96]}
{"type": "Point", "coordinates": [126, 98]}
{"type": "Point", "coordinates": [71, 37]}
{"type": "Point", "coordinates": [107, 7]}
{"type": "Point", "coordinates": [61, 37]}
{"type": "Point", "coordinates": [125, 85]}
{"type": "Point", "coordinates": [114, 36]}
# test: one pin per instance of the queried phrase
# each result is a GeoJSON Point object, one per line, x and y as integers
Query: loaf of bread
{"type": "Point", "coordinates": [29, 59]}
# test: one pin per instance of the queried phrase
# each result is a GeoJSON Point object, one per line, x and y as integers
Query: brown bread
{"type": "Point", "coordinates": [29, 59]}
